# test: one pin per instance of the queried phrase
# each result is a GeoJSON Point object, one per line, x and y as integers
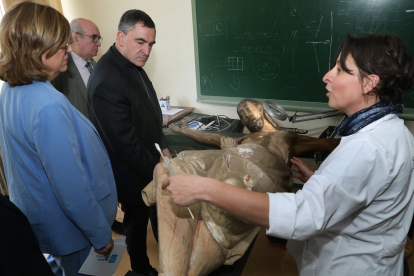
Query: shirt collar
{"type": "Point", "coordinates": [80, 62]}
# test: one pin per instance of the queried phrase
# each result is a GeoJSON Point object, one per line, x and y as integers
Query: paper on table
{"type": "Point", "coordinates": [95, 264]}
{"type": "Point", "coordinates": [172, 111]}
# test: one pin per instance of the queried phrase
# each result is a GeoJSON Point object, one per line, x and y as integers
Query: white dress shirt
{"type": "Point", "coordinates": [353, 215]}
{"type": "Point", "coordinates": [83, 70]}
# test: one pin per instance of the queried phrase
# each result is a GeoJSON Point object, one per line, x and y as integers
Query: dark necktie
{"type": "Point", "coordinates": [89, 66]}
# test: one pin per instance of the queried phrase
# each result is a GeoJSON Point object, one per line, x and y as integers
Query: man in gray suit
{"type": "Point", "coordinates": [85, 41]}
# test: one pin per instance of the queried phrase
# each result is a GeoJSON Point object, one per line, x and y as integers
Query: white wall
{"type": "Point", "coordinates": [171, 66]}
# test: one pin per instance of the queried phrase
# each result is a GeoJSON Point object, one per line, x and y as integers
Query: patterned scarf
{"type": "Point", "coordinates": [366, 116]}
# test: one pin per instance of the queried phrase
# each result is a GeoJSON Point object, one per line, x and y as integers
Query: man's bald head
{"type": "Point", "coordinates": [84, 33]}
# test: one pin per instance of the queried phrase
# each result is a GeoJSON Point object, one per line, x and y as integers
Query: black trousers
{"type": "Point", "coordinates": [135, 227]}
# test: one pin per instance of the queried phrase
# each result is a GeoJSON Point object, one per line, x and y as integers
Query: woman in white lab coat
{"type": "Point", "coordinates": [354, 212]}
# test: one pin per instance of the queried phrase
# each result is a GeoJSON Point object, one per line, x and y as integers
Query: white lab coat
{"type": "Point", "coordinates": [353, 215]}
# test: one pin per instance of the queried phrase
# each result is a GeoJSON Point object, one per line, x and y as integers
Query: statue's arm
{"type": "Point", "coordinates": [199, 136]}
{"type": "Point", "coordinates": [303, 144]}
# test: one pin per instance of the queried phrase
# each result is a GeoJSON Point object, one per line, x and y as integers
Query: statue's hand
{"type": "Point", "coordinates": [178, 126]}
{"type": "Point", "coordinates": [227, 142]}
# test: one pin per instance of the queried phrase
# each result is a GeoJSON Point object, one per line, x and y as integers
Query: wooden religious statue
{"type": "Point", "coordinates": [259, 161]}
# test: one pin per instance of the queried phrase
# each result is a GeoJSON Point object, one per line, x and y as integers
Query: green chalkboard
{"type": "Point", "coordinates": [281, 49]}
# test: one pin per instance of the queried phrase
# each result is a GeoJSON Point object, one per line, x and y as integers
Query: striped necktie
{"type": "Point", "coordinates": [89, 66]}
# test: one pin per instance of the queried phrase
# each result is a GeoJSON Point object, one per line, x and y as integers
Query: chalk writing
{"type": "Point", "coordinates": [317, 42]}
{"type": "Point", "coordinates": [282, 48]}
{"type": "Point", "coordinates": [204, 80]}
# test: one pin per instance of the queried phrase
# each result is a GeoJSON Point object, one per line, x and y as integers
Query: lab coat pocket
{"type": "Point", "coordinates": [101, 191]}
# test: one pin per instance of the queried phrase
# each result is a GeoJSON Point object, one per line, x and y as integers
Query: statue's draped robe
{"type": "Point", "coordinates": [184, 242]}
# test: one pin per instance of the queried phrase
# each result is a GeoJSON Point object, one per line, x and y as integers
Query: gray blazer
{"type": "Point", "coordinates": [71, 84]}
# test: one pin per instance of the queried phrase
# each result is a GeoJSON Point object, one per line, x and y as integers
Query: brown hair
{"type": "Point", "coordinates": [27, 31]}
{"type": "Point", "coordinates": [384, 55]}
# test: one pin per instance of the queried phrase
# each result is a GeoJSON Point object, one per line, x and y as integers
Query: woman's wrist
{"type": "Point", "coordinates": [209, 189]}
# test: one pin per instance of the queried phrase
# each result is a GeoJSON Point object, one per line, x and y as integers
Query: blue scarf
{"type": "Point", "coordinates": [366, 116]}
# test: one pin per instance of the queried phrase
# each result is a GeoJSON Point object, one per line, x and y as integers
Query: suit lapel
{"type": "Point", "coordinates": [74, 72]}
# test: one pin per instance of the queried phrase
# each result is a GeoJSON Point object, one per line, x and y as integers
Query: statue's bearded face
{"type": "Point", "coordinates": [252, 116]}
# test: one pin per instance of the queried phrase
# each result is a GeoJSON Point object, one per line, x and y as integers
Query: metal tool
{"type": "Point", "coordinates": [170, 169]}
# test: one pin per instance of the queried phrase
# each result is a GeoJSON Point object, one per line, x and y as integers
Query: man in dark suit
{"type": "Point", "coordinates": [85, 41]}
{"type": "Point", "coordinates": [20, 252]}
{"type": "Point", "coordinates": [125, 110]}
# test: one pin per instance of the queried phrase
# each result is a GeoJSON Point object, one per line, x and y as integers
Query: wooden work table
{"type": "Point", "coordinates": [168, 119]}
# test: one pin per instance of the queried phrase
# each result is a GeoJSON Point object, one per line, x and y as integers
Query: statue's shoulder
{"type": "Point", "coordinates": [261, 138]}
{"type": "Point", "coordinates": [260, 135]}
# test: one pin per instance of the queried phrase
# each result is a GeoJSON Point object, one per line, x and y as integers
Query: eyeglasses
{"type": "Point", "coordinates": [95, 38]}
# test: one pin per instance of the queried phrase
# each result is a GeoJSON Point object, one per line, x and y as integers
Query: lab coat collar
{"type": "Point", "coordinates": [372, 125]}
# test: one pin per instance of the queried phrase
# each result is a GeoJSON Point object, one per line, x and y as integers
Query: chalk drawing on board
{"type": "Point", "coordinates": [236, 83]}
{"type": "Point", "coordinates": [204, 80]}
{"type": "Point", "coordinates": [277, 18]}
{"type": "Point", "coordinates": [303, 20]}
{"type": "Point", "coordinates": [235, 63]}
{"type": "Point", "coordinates": [218, 31]}
{"type": "Point", "coordinates": [266, 66]}
{"type": "Point", "coordinates": [219, 27]}
{"type": "Point", "coordinates": [314, 43]}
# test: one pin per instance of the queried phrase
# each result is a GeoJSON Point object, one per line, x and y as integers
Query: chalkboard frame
{"type": "Point", "coordinates": [233, 101]}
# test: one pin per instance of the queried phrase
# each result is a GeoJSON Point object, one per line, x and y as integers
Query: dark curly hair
{"type": "Point", "coordinates": [384, 55]}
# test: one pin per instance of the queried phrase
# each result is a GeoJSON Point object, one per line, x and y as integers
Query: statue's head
{"type": "Point", "coordinates": [253, 115]}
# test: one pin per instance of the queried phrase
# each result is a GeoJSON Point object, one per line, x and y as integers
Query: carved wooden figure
{"type": "Point", "coordinates": [259, 161]}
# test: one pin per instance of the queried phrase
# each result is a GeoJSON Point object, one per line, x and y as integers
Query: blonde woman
{"type": "Point", "coordinates": [57, 170]}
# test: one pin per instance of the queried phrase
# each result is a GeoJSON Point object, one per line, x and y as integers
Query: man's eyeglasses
{"type": "Point", "coordinates": [95, 38]}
